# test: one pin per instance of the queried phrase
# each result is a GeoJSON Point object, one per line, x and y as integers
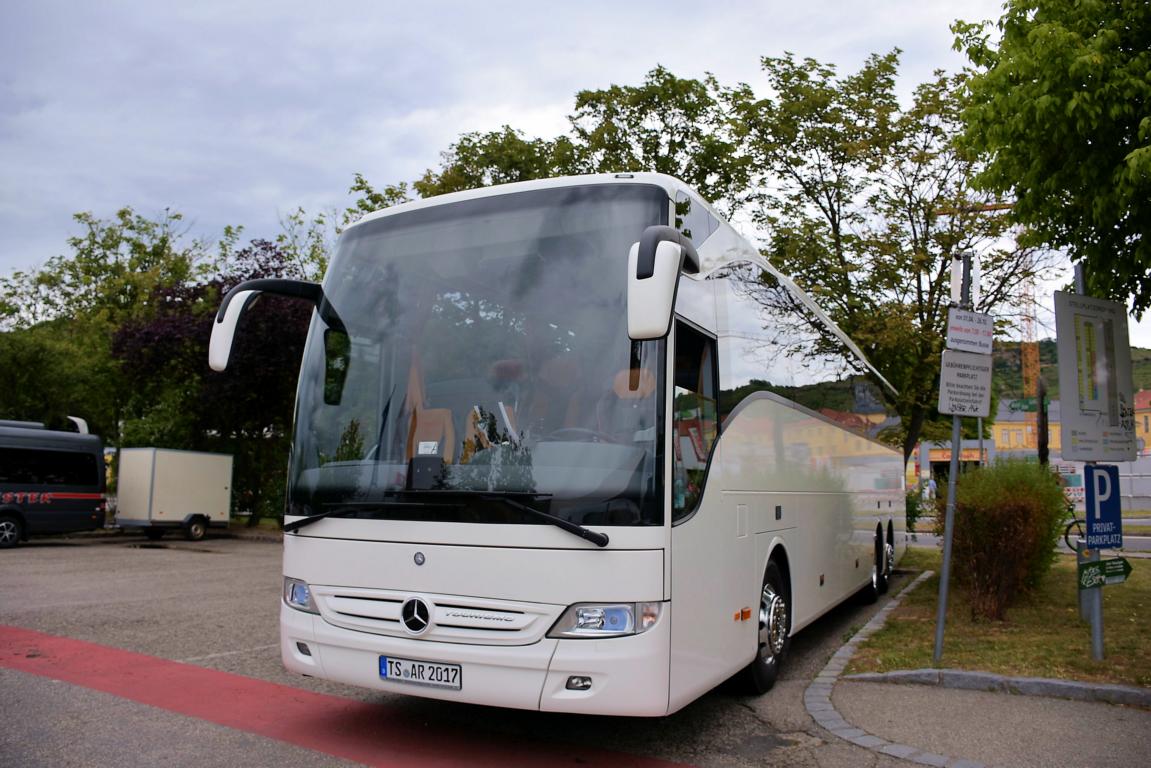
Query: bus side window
{"type": "Point", "coordinates": [692, 219]}
{"type": "Point", "coordinates": [694, 419]}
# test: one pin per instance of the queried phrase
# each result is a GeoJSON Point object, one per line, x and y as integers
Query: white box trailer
{"type": "Point", "coordinates": [161, 488]}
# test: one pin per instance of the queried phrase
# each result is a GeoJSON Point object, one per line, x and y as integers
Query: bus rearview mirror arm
{"type": "Point", "coordinates": [653, 268]}
{"type": "Point", "coordinates": [237, 300]}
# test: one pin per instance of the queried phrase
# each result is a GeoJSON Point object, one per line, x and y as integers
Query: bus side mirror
{"type": "Point", "coordinates": [653, 268]}
{"type": "Point", "coordinates": [237, 300]}
{"type": "Point", "coordinates": [224, 328]}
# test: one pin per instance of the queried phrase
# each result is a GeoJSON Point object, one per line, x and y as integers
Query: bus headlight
{"type": "Point", "coordinates": [591, 620]}
{"type": "Point", "coordinates": [299, 596]}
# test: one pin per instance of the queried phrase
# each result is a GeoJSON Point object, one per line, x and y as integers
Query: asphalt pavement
{"type": "Point", "coordinates": [209, 608]}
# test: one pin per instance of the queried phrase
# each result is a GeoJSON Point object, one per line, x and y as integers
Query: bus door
{"type": "Point", "coordinates": [712, 549]}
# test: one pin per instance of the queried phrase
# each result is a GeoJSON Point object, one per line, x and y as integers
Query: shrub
{"type": "Point", "coordinates": [914, 508]}
{"type": "Point", "coordinates": [1008, 518]}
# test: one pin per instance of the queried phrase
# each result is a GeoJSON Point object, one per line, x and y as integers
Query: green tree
{"type": "Point", "coordinates": [867, 202]}
{"type": "Point", "coordinates": [307, 241]}
{"type": "Point", "coordinates": [671, 125]}
{"type": "Point", "coordinates": [497, 157]}
{"type": "Point", "coordinates": [113, 267]}
{"type": "Point", "coordinates": [370, 199]}
{"type": "Point", "coordinates": [174, 401]}
{"type": "Point", "coordinates": [1060, 104]}
{"type": "Point", "coordinates": [52, 371]}
{"type": "Point", "coordinates": [668, 125]}
{"type": "Point", "coordinates": [60, 319]}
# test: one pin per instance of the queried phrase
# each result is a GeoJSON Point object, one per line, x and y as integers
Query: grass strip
{"type": "Point", "coordinates": [1042, 636]}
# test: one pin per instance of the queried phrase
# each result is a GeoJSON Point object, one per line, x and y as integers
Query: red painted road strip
{"type": "Point", "coordinates": [372, 734]}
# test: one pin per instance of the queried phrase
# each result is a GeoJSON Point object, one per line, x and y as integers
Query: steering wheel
{"type": "Point", "coordinates": [578, 435]}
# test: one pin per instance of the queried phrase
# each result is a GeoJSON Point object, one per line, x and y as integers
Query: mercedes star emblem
{"type": "Point", "coordinates": [419, 558]}
{"type": "Point", "coordinates": [415, 615]}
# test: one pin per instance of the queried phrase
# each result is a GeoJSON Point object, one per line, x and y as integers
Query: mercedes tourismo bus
{"type": "Point", "coordinates": [571, 445]}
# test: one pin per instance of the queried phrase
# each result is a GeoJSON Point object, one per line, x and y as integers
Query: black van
{"type": "Point", "coordinates": [50, 482]}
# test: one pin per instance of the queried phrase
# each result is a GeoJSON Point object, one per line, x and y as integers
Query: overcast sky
{"type": "Point", "coordinates": [238, 112]}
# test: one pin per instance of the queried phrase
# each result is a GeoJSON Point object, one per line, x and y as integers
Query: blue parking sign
{"type": "Point", "coordinates": [1104, 516]}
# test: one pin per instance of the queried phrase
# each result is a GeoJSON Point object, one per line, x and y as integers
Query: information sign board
{"type": "Point", "coordinates": [965, 384]}
{"type": "Point", "coordinates": [1104, 515]}
{"type": "Point", "coordinates": [969, 331]}
{"type": "Point", "coordinates": [1099, 573]}
{"type": "Point", "coordinates": [1098, 413]}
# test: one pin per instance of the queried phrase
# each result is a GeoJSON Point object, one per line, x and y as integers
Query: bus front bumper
{"type": "Point", "coordinates": [629, 675]}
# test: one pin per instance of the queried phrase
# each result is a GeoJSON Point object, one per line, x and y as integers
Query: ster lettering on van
{"type": "Point", "coordinates": [22, 497]}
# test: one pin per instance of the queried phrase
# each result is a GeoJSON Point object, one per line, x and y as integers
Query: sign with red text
{"type": "Point", "coordinates": [969, 331]}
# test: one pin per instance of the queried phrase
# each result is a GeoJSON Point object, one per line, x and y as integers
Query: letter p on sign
{"type": "Point", "coordinates": [1104, 516]}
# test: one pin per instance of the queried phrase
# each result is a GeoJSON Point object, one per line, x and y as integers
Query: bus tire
{"type": "Point", "coordinates": [196, 528]}
{"type": "Point", "coordinates": [773, 636]}
{"type": "Point", "coordinates": [882, 567]}
{"type": "Point", "coordinates": [11, 531]}
{"type": "Point", "coordinates": [888, 557]}
{"type": "Point", "coordinates": [878, 584]}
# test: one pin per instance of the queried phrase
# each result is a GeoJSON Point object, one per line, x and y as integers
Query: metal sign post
{"type": "Point", "coordinates": [965, 383]}
{"type": "Point", "coordinates": [1104, 529]}
{"type": "Point", "coordinates": [1097, 424]}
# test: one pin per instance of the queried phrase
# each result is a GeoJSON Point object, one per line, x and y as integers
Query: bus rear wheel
{"type": "Point", "coordinates": [773, 637]}
{"type": "Point", "coordinates": [11, 532]}
{"type": "Point", "coordinates": [880, 570]}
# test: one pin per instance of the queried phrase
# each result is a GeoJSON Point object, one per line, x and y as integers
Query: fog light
{"type": "Point", "coordinates": [579, 683]}
{"type": "Point", "coordinates": [303, 649]}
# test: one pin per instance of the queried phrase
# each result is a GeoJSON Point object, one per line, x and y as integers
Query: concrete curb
{"type": "Point", "coordinates": [817, 697]}
{"type": "Point", "coordinates": [1021, 686]}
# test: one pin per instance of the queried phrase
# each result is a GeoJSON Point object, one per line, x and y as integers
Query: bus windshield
{"type": "Point", "coordinates": [482, 355]}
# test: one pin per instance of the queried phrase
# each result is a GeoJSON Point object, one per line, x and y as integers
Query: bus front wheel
{"type": "Point", "coordinates": [773, 637]}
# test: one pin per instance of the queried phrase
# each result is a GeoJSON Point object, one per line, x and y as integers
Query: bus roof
{"type": "Point", "coordinates": [38, 437]}
{"type": "Point", "coordinates": [669, 183]}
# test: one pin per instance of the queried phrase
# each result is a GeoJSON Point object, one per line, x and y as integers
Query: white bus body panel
{"type": "Point", "coordinates": [517, 667]}
{"type": "Point", "coordinates": [559, 576]}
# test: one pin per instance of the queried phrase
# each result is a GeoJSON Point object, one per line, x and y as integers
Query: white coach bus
{"type": "Point", "coordinates": [571, 445]}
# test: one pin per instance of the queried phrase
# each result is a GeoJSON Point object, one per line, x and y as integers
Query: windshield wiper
{"type": "Point", "coordinates": [353, 508]}
{"type": "Point", "coordinates": [595, 537]}
{"type": "Point", "coordinates": [339, 511]}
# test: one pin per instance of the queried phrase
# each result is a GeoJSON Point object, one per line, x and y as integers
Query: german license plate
{"type": "Point", "coordinates": [429, 673]}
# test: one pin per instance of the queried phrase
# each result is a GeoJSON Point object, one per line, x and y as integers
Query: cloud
{"type": "Point", "coordinates": [233, 112]}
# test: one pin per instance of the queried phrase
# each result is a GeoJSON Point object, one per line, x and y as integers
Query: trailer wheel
{"type": "Point", "coordinates": [773, 637]}
{"type": "Point", "coordinates": [153, 534]}
{"type": "Point", "coordinates": [195, 529]}
{"type": "Point", "coordinates": [11, 532]}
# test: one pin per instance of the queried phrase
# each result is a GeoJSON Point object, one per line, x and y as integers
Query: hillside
{"type": "Point", "coordinates": [1007, 370]}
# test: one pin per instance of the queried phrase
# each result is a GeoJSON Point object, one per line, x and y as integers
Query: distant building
{"type": "Point", "coordinates": [1143, 421]}
{"type": "Point", "coordinates": [1014, 429]}
{"type": "Point", "coordinates": [1013, 435]}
